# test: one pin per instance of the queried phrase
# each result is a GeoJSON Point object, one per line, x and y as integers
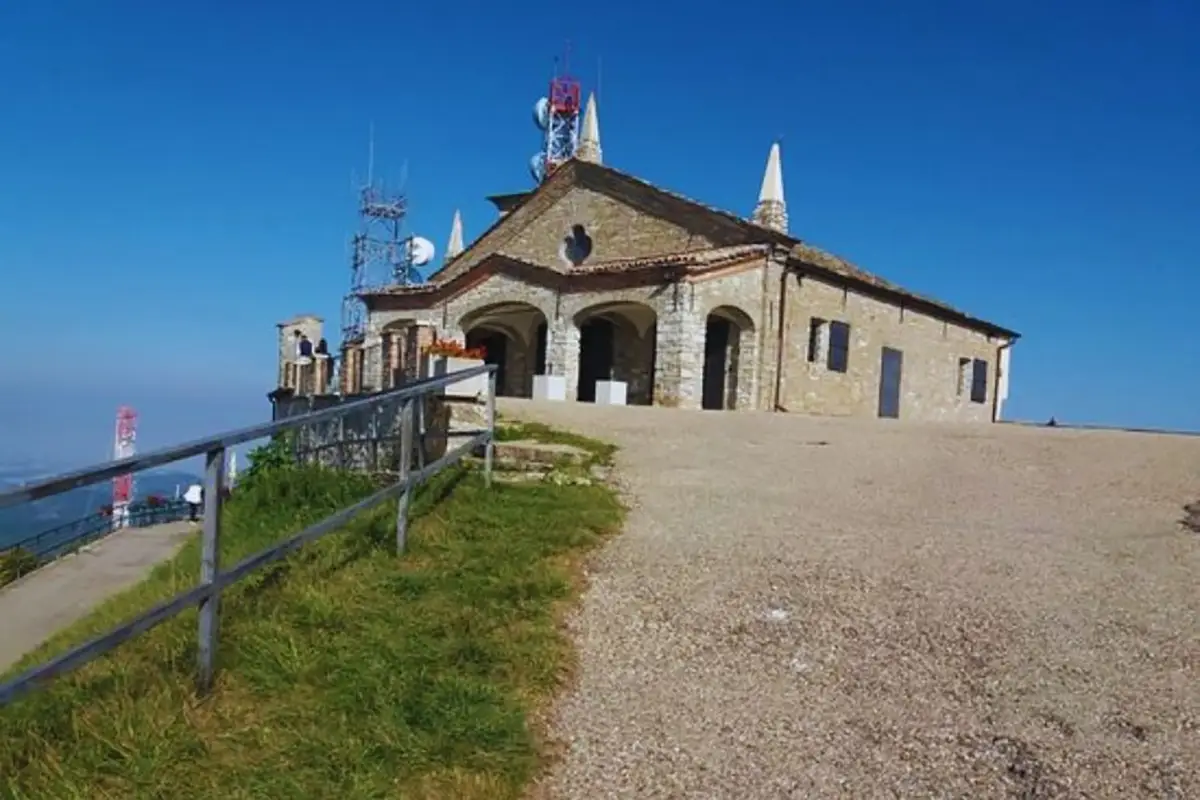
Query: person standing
{"type": "Point", "coordinates": [194, 497]}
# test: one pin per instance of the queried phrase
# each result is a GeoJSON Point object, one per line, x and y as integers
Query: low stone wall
{"type": "Point", "coordinates": [367, 440]}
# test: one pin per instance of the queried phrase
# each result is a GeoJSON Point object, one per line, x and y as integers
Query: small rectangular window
{"type": "Point", "coordinates": [979, 381]}
{"type": "Point", "coordinates": [816, 338]}
{"type": "Point", "coordinates": [839, 346]}
{"type": "Point", "coordinates": [964, 376]}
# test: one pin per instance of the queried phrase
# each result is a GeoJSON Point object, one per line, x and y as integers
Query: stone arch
{"type": "Point", "coordinates": [514, 336]}
{"type": "Point", "coordinates": [616, 343]}
{"type": "Point", "coordinates": [730, 355]}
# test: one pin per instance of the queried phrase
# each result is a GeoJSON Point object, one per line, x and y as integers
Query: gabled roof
{"type": "Point", "coordinates": [721, 227]}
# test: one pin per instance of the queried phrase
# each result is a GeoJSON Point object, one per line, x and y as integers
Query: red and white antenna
{"type": "Point", "coordinates": [124, 446]}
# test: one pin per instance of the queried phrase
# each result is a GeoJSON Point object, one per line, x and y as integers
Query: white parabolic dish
{"type": "Point", "coordinates": [541, 113]}
{"type": "Point", "coordinates": [420, 251]}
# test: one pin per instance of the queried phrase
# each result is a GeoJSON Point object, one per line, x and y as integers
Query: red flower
{"type": "Point", "coordinates": [450, 348]}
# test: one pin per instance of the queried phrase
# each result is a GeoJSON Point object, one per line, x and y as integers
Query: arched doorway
{"type": "Point", "coordinates": [513, 337]}
{"type": "Point", "coordinates": [728, 360]}
{"type": "Point", "coordinates": [617, 342]}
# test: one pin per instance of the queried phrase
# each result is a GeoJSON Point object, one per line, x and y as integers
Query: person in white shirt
{"type": "Point", "coordinates": [194, 497]}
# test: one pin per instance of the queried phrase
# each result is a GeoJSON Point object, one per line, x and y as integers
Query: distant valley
{"type": "Point", "coordinates": [29, 519]}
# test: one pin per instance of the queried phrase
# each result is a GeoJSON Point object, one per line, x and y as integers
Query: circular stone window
{"type": "Point", "coordinates": [576, 246]}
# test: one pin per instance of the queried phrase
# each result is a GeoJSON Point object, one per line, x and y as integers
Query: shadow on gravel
{"type": "Point", "coordinates": [1192, 519]}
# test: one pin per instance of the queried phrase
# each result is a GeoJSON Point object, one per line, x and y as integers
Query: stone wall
{"type": "Point", "coordinates": [932, 385]}
{"type": "Point", "coordinates": [616, 231]}
{"type": "Point", "coordinates": [662, 356]}
{"type": "Point", "coordinates": [367, 440]}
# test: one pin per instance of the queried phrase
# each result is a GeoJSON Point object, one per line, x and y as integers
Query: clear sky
{"type": "Point", "coordinates": [176, 177]}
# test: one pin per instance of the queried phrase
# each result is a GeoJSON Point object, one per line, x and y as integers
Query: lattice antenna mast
{"type": "Point", "coordinates": [558, 115]}
{"type": "Point", "coordinates": [380, 252]}
{"type": "Point", "coordinates": [124, 446]}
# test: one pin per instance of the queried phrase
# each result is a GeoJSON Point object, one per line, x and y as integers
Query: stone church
{"type": "Point", "coordinates": [596, 275]}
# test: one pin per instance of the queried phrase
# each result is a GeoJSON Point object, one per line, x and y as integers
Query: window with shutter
{"type": "Point", "coordinates": [979, 381]}
{"type": "Point", "coordinates": [839, 346]}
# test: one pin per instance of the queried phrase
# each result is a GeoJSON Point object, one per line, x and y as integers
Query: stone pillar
{"type": "Point", "coordinates": [321, 374]}
{"type": "Point", "coordinates": [562, 353]}
{"type": "Point", "coordinates": [372, 363]}
{"type": "Point", "coordinates": [351, 369]}
{"type": "Point", "coordinates": [679, 368]}
{"type": "Point", "coordinates": [420, 336]}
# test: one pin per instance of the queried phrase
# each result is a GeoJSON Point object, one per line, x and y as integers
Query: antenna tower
{"type": "Point", "coordinates": [380, 252]}
{"type": "Point", "coordinates": [558, 115]}
{"type": "Point", "coordinates": [124, 446]}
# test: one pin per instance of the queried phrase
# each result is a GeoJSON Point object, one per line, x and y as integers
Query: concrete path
{"type": "Point", "coordinates": [812, 608]}
{"type": "Point", "coordinates": [35, 607]}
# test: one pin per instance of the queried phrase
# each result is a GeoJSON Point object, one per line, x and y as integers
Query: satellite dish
{"type": "Point", "coordinates": [420, 251]}
{"type": "Point", "coordinates": [537, 166]}
{"type": "Point", "coordinates": [541, 113]}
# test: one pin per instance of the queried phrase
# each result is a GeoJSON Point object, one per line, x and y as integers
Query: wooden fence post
{"type": "Point", "coordinates": [210, 551]}
{"type": "Point", "coordinates": [406, 448]}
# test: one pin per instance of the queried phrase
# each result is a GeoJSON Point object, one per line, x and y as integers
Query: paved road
{"type": "Point", "coordinates": [38, 605]}
{"type": "Point", "coordinates": [836, 608]}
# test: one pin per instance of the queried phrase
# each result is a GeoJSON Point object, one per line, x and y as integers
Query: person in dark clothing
{"type": "Point", "coordinates": [306, 348]}
{"type": "Point", "coordinates": [322, 348]}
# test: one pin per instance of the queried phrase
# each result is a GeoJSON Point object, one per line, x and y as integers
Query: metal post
{"type": "Point", "coordinates": [376, 408]}
{"type": "Point", "coordinates": [420, 431]}
{"type": "Point", "coordinates": [490, 448]}
{"type": "Point", "coordinates": [406, 447]}
{"type": "Point", "coordinates": [210, 549]}
{"type": "Point", "coordinates": [341, 442]}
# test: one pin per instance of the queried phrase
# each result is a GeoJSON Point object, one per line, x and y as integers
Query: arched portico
{"type": "Point", "coordinates": [513, 336]}
{"type": "Point", "coordinates": [728, 360]}
{"type": "Point", "coordinates": [616, 342]}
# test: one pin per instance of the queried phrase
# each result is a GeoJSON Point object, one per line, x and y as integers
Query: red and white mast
{"type": "Point", "coordinates": [124, 446]}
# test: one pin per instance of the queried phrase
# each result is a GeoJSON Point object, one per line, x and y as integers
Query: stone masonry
{"type": "Point", "coordinates": [705, 309]}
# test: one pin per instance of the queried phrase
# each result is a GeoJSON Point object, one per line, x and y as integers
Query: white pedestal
{"type": "Point", "coordinates": [610, 393]}
{"type": "Point", "coordinates": [470, 387]}
{"type": "Point", "coordinates": [550, 387]}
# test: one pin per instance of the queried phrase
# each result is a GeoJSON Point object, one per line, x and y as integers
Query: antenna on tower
{"type": "Point", "coordinates": [557, 115]}
{"type": "Point", "coordinates": [382, 252]}
{"type": "Point", "coordinates": [370, 154]}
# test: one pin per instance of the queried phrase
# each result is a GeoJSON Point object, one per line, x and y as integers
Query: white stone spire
{"type": "Point", "coordinates": [771, 211]}
{"type": "Point", "coordinates": [455, 245]}
{"type": "Point", "coordinates": [589, 135]}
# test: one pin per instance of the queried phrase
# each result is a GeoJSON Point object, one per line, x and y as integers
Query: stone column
{"type": "Point", "coordinates": [679, 372]}
{"type": "Point", "coordinates": [321, 374]}
{"type": "Point", "coordinates": [562, 353]}
{"type": "Point", "coordinates": [393, 348]}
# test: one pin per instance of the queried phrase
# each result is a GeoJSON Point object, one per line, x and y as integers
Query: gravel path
{"type": "Point", "coordinates": [838, 608]}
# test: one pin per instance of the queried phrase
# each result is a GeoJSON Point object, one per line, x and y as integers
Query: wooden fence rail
{"type": "Point", "coordinates": [213, 579]}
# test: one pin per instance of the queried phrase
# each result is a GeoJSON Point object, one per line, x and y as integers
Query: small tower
{"type": "Point", "coordinates": [589, 137]}
{"type": "Point", "coordinates": [771, 211]}
{"type": "Point", "coordinates": [455, 245]}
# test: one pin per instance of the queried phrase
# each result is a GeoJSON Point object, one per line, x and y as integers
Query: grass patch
{"type": "Point", "coordinates": [343, 671]}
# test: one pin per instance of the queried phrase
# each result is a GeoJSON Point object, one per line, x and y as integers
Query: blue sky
{"type": "Point", "coordinates": [176, 177]}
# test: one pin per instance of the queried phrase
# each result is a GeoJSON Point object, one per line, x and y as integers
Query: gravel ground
{"type": "Point", "coordinates": [838, 608]}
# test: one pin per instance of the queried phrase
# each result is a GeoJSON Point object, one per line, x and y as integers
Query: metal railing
{"type": "Point", "coordinates": [54, 542]}
{"type": "Point", "coordinates": [213, 579]}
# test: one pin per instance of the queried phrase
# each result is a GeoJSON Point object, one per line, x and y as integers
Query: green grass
{"type": "Point", "coordinates": [515, 431]}
{"type": "Point", "coordinates": [344, 672]}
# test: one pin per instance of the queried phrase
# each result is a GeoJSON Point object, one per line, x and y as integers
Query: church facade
{"type": "Point", "coordinates": [596, 275]}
